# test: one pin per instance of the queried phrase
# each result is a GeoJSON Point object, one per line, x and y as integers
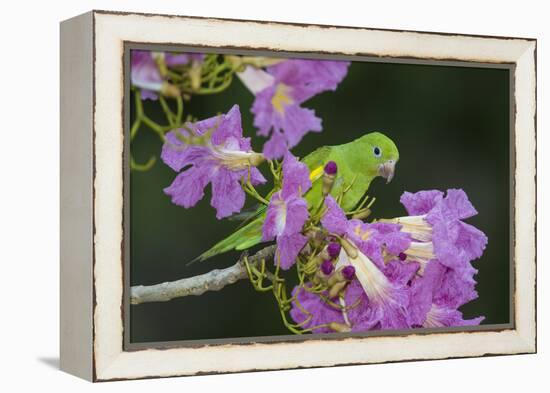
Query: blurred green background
{"type": "Point", "coordinates": [451, 125]}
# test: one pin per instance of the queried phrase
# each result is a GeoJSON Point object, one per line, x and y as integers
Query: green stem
{"type": "Point", "coordinates": [135, 128]}
{"type": "Point", "coordinates": [170, 116]}
{"type": "Point", "coordinates": [155, 127]}
{"type": "Point", "coordinates": [362, 208]}
{"type": "Point", "coordinates": [209, 90]}
{"type": "Point", "coordinates": [174, 76]}
{"type": "Point", "coordinates": [179, 110]}
{"type": "Point", "coordinates": [142, 167]}
{"type": "Point", "coordinates": [250, 190]}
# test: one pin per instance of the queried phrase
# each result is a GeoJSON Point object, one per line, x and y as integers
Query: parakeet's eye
{"type": "Point", "coordinates": [377, 151]}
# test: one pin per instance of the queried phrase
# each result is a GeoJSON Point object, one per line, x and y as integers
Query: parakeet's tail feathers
{"type": "Point", "coordinates": [245, 215]}
{"type": "Point", "coordinates": [242, 239]}
{"type": "Point", "coordinates": [250, 216]}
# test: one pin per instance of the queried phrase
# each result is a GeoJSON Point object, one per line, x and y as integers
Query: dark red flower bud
{"type": "Point", "coordinates": [331, 168]}
{"type": "Point", "coordinates": [327, 267]}
{"type": "Point", "coordinates": [348, 272]}
{"type": "Point", "coordinates": [334, 250]}
{"type": "Point", "coordinates": [329, 177]}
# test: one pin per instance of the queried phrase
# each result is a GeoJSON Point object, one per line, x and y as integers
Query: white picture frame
{"type": "Point", "coordinates": [92, 195]}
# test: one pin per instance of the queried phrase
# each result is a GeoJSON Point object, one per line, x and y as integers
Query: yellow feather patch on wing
{"type": "Point", "coordinates": [316, 174]}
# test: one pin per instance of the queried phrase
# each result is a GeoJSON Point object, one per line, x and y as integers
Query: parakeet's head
{"type": "Point", "coordinates": [382, 152]}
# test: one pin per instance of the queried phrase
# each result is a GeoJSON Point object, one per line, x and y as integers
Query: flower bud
{"type": "Point", "coordinates": [327, 267]}
{"type": "Point", "coordinates": [335, 290]}
{"type": "Point", "coordinates": [236, 61]}
{"type": "Point", "coordinates": [348, 272]}
{"type": "Point", "coordinates": [259, 62]}
{"type": "Point", "coordinates": [349, 249]}
{"type": "Point", "coordinates": [333, 250]}
{"type": "Point", "coordinates": [316, 237]}
{"type": "Point", "coordinates": [329, 176]}
{"type": "Point", "coordinates": [331, 168]}
{"type": "Point", "coordinates": [169, 90]}
{"type": "Point", "coordinates": [256, 159]}
{"type": "Point", "coordinates": [339, 327]}
{"type": "Point", "coordinates": [339, 276]}
{"type": "Point", "coordinates": [161, 62]}
{"type": "Point", "coordinates": [195, 76]}
{"type": "Point", "coordinates": [362, 214]}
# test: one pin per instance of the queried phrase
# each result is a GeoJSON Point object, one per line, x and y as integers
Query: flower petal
{"type": "Point", "coordinates": [256, 176]}
{"type": "Point", "coordinates": [227, 194]}
{"type": "Point", "coordinates": [422, 291]}
{"type": "Point", "coordinates": [288, 248]}
{"type": "Point", "coordinates": [276, 146]}
{"type": "Point", "coordinates": [334, 220]}
{"type": "Point", "coordinates": [188, 187]}
{"type": "Point", "coordinates": [177, 59]}
{"type": "Point", "coordinates": [149, 95]}
{"type": "Point", "coordinates": [284, 217]}
{"type": "Point", "coordinates": [471, 241]}
{"type": "Point", "coordinates": [312, 308]}
{"type": "Point", "coordinates": [297, 122]}
{"type": "Point", "coordinates": [401, 273]}
{"type": "Point", "coordinates": [275, 218]}
{"type": "Point", "coordinates": [256, 79]}
{"type": "Point", "coordinates": [222, 160]}
{"type": "Point", "coordinates": [296, 215]}
{"type": "Point", "coordinates": [295, 177]}
{"type": "Point", "coordinates": [228, 127]}
{"type": "Point", "coordinates": [263, 110]}
{"type": "Point", "coordinates": [144, 72]}
{"type": "Point", "coordinates": [388, 300]}
{"type": "Point", "coordinates": [309, 77]}
{"type": "Point", "coordinates": [396, 242]}
{"type": "Point", "coordinates": [277, 107]}
{"type": "Point", "coordinates": [458, 202]}
{"type": "Point", "coordinates": [288, 127]}
{"type": "Point", "coordinates": [177, 155]}
{"type": "Point", "coordinates": [361, 316]}
{"type": "Point", "coordinates": [457, 287]}
{"type": "Point", "coordinates": [420, 202]}
{"type": "Point", "coordinates": [443, 317]}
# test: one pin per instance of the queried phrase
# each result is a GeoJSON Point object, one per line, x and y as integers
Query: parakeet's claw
{"type": "Point", "coordinates": [387, 170]}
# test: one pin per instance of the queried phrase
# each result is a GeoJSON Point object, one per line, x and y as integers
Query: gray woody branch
{"type": "Point", "coordinates": [197, 285]}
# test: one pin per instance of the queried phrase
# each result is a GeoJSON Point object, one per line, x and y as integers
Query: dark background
{"type": "Point", "coordinates": [451, 125]}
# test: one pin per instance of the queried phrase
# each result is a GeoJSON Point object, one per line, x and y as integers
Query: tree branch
{"type": "Point", "coordinates": [197, 285]}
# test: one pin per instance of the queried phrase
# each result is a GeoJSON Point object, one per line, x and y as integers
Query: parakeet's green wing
{"type": "Point", "coordinates": [317, 158]}
{"type": "Point", "coordinates": [242, 239]}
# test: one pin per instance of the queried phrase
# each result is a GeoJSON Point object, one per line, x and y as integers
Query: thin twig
{"type": "Point", "coordinates": [197, 285]}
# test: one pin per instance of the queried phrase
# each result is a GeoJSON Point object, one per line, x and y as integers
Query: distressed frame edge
{"type": "Point", "coordinates": [524, 336]}
{"type": "Point", "coordinates": [525, 179]}
{"type": "Point", "coordinates": [304, 24]}
{"type": "Point", "coordinates": [76, 196]}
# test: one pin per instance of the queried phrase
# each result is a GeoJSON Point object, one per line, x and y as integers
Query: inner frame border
{"type": "Point", "coordinates": [128, 46]}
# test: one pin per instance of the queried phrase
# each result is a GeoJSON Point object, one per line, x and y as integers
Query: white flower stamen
{"type": "Point", "coordinates": [374, 282]}
{"type": "Point", "coordinates": [416, 226]}
{"type": "Point", "coordinates": [421, 253]}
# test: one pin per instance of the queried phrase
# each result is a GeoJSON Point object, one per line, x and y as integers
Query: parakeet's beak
{"type": "Point", "coordinates": [386, 170]}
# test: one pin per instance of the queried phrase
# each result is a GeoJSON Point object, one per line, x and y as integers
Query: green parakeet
{"type": "Point", "coordinates": [358, 162]}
